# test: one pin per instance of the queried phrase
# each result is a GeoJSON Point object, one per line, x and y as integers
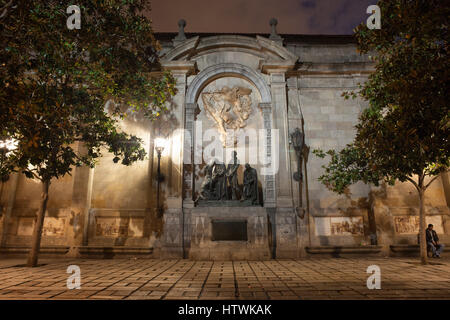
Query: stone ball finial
{"type": "Point", "coordinates": [180, 36]}
{"type": "Point", "coordinates": [273, 33]}
{"type": "Point", "coordinates": [182, 23]}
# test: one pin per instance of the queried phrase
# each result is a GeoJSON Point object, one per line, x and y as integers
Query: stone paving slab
{"type": "Point", "coordinates": [147, 279]}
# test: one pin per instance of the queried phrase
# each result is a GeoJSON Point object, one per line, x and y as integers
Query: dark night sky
{"type": "Point", "coordinates": [252, 16]}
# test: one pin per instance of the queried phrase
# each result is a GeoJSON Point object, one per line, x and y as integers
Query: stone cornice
{"type": "Point", "coordinates": [187, 67]}
{"type": "Point", "coordinates": [284, 53]}
{"type": "Point", "coordinates": [276, 66]}
{"type": "Point", "coordinates": [350, 68]}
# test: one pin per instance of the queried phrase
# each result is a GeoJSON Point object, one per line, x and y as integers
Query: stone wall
{"type": "Point", "coordinates": [295, 85]}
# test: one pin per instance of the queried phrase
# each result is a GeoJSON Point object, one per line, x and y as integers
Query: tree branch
{"type": "Point", "coordinates": [434, 178]}
{"type": "Point", "coordinates": [5, 9]}
{"type": "Point", "coordinates": [414, 183]}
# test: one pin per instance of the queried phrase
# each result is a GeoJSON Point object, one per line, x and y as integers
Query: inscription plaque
{"type": "Point", "coordinates": [229, 230]}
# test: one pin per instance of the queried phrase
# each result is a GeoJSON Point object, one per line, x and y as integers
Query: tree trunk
{"type": "Point", "coordinates": [422, 227]}
{"type": "Point", "coordinates": [372, 221]}
{"type": "Point", "coordinates": [37, 232]}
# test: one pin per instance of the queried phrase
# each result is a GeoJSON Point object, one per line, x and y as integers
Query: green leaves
{"type": "Point", "coordinates": [404, 132]}
{"type": "Point", "coordinates": [54, 83]}
{"type": "Point", "coordinates": [346, 167]}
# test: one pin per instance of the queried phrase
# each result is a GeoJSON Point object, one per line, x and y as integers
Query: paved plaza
{"type": "Point", "coordinates": [325, 278]}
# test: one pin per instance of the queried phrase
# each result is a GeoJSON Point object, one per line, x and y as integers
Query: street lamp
{"type": "Point", "coordinates": [7, 146]}
{"type": "Point", "coordinates": [160, 144]}
{"type": "Point", "coordinates": [297, 139]}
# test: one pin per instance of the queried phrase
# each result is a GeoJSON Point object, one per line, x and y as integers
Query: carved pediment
{"type": "Point", "coordinates": [269, 53]}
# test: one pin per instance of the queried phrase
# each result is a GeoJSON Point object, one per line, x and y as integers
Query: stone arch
{"type": "Point", "coordinates": [259, 45]}
{"type": "Point", "coordinates": [213, 72]}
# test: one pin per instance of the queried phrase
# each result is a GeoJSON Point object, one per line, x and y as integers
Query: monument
{"type": "Point", "coordinates": [270, 98]}
{"type": "Point", "coordinates": [220, 186]}
{"type": "Point", "coordinates": [229, 220]}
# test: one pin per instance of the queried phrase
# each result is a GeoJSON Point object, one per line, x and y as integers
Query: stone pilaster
{"type": "Point", "coordinates": [178, 153]}
{"type": "Point", "coordinates": [269, 179]}
{"type": "Point", "coordinates": [180, 180]}
{"type": "Point", "coordinates": [285, 220]}
{"type": "Point", "coordinates": [77, 232]}
{"type": "Point", "coordinates": [295, 116]}
{"type": "Point", "coordinates": [189, 165]}
{"type": "Point", "coordinates": [279, 105]}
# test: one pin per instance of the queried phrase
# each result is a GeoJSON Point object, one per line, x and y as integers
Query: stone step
{"type": "Point", "coordinates": [410, 247]}
{"type": "Point", "coordinates": [115, 250]}
{"type": "Point", "coordinates": [84, 250]}
{"type": "Point", "coordinates": [343, 249]}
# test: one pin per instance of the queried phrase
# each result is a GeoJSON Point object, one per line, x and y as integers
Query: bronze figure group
{"type": "Point", "coordinates": [221, 182]}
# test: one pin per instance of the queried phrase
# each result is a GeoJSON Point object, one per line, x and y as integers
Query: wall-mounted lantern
{"type": "Point", "coordinates": [160, 144]}
{"type": "Point", "coordinates": [297, 140]}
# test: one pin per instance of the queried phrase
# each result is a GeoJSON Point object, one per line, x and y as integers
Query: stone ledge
{"type": "Point", "coordinates": [44, 249]}
{"type": "Point", "coordinates": [83, 250]}
{"type": "Point", "coordinates": [404, 248]}
{"type": "Point", "coordinates": [226, 203]}
{"type": "Point", "coordinates": [343, 249]}
{"type": "Point", "coordinates": [114, 250]}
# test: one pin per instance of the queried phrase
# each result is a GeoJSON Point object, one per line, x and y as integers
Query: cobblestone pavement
{"type": "Point", "coordinates": [327, 278]}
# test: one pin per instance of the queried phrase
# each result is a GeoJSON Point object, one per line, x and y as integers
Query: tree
{"type": "Point", "coordinates": [55, 83]}
{"type": "Point", "coordinates": [404, 133]}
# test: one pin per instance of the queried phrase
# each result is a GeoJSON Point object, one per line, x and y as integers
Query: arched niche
{"type": "Point", "coordinates": [227, 69]}
{"type": "Point", "coordinates": [195, 88]}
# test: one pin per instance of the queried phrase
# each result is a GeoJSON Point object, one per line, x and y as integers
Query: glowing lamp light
{"type": "Point", "coordinates": [160, 144]}
{"type": "Point", "coordinates": [8, 145]}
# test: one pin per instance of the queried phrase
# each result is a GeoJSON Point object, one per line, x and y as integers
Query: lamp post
{"type": "Point", "coordinates": [160, 144]}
